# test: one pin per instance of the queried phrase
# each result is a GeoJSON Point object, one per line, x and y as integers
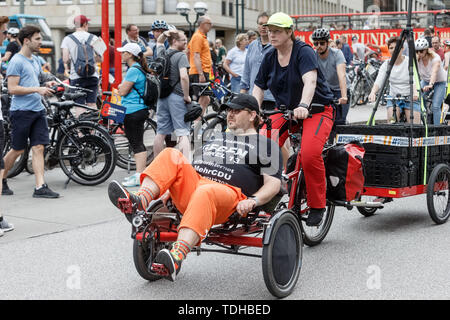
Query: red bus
{"type": "Point", "coordinates": [372, 27]}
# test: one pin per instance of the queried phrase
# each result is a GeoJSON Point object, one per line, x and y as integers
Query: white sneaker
{"type": "Point", "coordinates": [1, 233]}
{"type": "Point", "coordinates": [5, 226]}
{"type": "Point", "coordinates": [132, 181]}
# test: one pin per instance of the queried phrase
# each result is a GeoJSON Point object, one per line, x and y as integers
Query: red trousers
{"type": "Point", "coordinates": [202, 202]}
{"type": "Point", "coordinates": [316, 131]}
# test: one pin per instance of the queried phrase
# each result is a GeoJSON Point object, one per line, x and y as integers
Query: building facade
{"type": "Point", "coordinates": [225, 14]}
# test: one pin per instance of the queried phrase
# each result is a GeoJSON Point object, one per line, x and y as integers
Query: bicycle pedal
{"type": "Point", "coordinates": [125, 205]}
{"type": "Point", "coordinates": [160, 269]}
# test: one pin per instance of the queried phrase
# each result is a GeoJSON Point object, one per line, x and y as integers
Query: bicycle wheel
{"type": "Point", "coordinates": [145, 251]}
{"type": "Point", "coordinates": [367, 211]}
{"type": "Point", "coordinates": [438, 200]}
{"type": "Point", "coordinates": [125, 156]}
{"type": "Point", "coordinates": [86, 154]}
{"type": "Point", "coordinates": [282, 255]}
{"type": "Point", "coordinates": [216, 125]}
{"type": "Point", "coordinates": [312, 236]}
{"type": "Point", "coordinates": [20, 163]}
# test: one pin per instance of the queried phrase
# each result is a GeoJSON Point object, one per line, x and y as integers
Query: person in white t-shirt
{"type": "Point", "coordinates": [359, 49]}
{"type": "Point", "coordinates": [235, 61]}
{"type": "Point", "coordinates": [432, 76]}
{"type": "Point", "coordinates": [70, 50]}
{"type": "Point", "coordinates": [399, 84]}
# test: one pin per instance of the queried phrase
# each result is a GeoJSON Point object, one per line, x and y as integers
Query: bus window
{"type": "Point", "coordinates": [41, 24]}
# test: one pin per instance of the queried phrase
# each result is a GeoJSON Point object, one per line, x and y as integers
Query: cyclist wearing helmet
{"type": "Point", "coordinates": [133, 37]}
{"type": "Point", "coordinates": [13, 46]}
{"type": "Point", "coordinates": [158, 27]}
{"type": "Point", "coordinates": [291, 71]}
{"type": "Point", "coordinates": [332, 64]}
{"type": "Point", "coordinates": [432, 76]}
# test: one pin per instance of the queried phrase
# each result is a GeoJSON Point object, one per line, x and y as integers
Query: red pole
{"type": "Point", "coordinates": [105, 37]}
{"type": "Point", "coordinates": [118, 42]}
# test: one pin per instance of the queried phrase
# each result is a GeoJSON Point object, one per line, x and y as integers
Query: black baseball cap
{"type": "Point", "coordinates": [242, 101]}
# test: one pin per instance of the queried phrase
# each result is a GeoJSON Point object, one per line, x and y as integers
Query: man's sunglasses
{"type": "Point", "coordinates": [5, 32]}
{"type": "Point", "coordinates": [236, 111]}
{"type": "Point", "coordinates": [322, 43]}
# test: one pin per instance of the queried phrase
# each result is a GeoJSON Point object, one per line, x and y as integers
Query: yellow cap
{"type": "Point", "coordinates": [281, 20]}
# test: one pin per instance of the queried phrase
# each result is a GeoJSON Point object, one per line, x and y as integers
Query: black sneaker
{"type": "Point", "coordinates": [315, 217]}
{"type": "Point", "coordinates": [127, 202]}
{"type": "Point", "coordinates": [45, 192]}
{"type": "Point", "coordinates": [165, 258]}
{"type": "Point", "coordinates": [6, 191]}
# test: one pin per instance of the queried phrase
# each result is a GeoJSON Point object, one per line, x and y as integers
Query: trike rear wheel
{"type": "Point", "coordinates": [143, 255]}
{"type": "Point", "coordinates": [312, 236]}
{"type": "Point", "coordinates": [438, 194]}
{"type": "Point", "coordinates": [282, 254]}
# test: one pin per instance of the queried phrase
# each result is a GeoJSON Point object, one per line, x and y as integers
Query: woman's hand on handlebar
{"type": "Point", "coordinates": [428, 88]}
{"type": "Point", "coordinates": [301, 113]}
{"type": "Point", "coordinates": [372, 97]}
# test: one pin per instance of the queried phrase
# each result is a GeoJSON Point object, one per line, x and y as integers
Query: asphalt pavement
{"type": "Point", "coordinates": [79, 247]}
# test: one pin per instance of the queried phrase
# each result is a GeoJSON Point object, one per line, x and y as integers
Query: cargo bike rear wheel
{"type": "Point", "coordinates": [438, 194]}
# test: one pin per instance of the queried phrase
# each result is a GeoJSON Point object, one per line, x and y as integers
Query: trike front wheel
{"type": "Point", "coordinates": [282, 254]}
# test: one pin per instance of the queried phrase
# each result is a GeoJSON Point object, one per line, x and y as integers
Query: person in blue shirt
{"type": "Point", "coordinates": [256, 51]}
{"type": "Point", "coordinates": [345, 48]}
{"type": "Point", "coordinates": [132, 89]}
{"type": "Point", "coordinates": [27, 113]}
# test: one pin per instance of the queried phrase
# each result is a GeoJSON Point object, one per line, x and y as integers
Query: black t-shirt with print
{"type": "Point", "coordinates": [286, 83]}
{"type": "Point", "coordinates": [239, 161]}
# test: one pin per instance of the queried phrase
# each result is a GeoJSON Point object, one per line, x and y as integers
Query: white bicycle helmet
{"type": "Point", "coordinates": [447, 42]}
{"type": "Point", "coordinates": [421, 44]}
{"type": "Point", "coordinates": [13, 31]}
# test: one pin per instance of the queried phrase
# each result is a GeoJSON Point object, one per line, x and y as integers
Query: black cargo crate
{"type": "Point", "coordinates": [392, 166]}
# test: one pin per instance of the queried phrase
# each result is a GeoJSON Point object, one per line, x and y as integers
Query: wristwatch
{"type": "Point", "coordinates": [256, 200]}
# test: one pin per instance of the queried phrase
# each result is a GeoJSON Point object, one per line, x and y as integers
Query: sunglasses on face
{"type": "Point", "coordinates": [236, 111]}
{"type": "Point", "coordinates": [5, 32]}
{"type": "Point", "coordinates": [420, 51]}
{"type": "Point", "coordinates": [317, 43]}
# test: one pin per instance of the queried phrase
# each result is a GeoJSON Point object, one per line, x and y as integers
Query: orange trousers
{"type": "Point", "coordinates": [202, 202]}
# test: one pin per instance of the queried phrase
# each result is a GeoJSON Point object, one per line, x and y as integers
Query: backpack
{"type": "Point", "coordinates": [344, 172]}
{"type": "Point", "coordinates": [166, 89]}
{"type": "Point", "coordinates": [151, 89]}
{"type": "Point", "coordinates": [85, 62]}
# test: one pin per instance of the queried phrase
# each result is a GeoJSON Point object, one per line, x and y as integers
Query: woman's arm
{"type": "Point", "coordinates": [125, 88]}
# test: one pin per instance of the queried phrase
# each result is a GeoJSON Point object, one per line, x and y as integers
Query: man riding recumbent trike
{"type": "Point", "coordinates": [228, 197]}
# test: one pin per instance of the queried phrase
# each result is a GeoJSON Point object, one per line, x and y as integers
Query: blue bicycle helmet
{"type": "Point", "coordinates": [160, 24]}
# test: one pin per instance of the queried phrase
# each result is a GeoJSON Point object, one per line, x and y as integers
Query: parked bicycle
{"type": "Point", "coordinates": [363, 81]}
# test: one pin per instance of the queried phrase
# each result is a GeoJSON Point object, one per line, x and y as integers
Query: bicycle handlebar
{"type": "Point", "coordinates": [315, 108]}
{"type": "Point", "coordinates": [70, 104]}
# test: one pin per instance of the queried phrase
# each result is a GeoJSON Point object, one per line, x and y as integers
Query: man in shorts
{"type": "Point", "coordinates": [4, 225]}
{"type": "Point", "coordinates": [200, 59]}
{"type": "Point", "coordinates": [171, 109]}
{"type": "Point", "coordinates": [27, 113]}
{"type": "Point", "coordinates": [69, 51]}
